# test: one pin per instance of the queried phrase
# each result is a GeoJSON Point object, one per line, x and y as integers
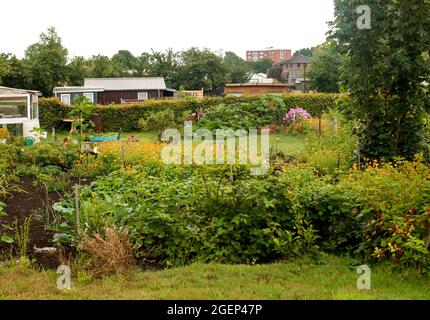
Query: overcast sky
{"type": "Point", "coordinates": [90, 27]}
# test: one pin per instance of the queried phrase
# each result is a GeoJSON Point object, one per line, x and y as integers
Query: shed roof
{"type": "Point", "coordinates": [7, 90]}
{"type": "Point", "coordinates": [77, 89]}
{"type": "Point", "coordinates": [298, 59]}
{"type": "Point", "coordinates": [112, 84]}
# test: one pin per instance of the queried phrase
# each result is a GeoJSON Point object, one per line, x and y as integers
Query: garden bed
{"type": "Point", "coordinates": [21, 205]}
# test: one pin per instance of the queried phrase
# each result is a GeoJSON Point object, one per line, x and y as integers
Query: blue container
{"type": "Point", "coordinates": [29, 141]}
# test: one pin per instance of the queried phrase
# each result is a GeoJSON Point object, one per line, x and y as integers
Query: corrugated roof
{"type": "Point", "coordinates": [110, 84]}
{"type": "Point", "coordinates": [78, 89]}
{"type": "Point", "coordinates": [7, 90]}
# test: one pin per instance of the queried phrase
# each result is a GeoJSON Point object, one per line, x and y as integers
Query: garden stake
{"type": "Point", "coordinates": [77, 209]}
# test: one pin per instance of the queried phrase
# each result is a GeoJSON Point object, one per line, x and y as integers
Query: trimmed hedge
{"type": "Point", "coordinates": [126, 117]}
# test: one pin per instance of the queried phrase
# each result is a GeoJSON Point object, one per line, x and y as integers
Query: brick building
{"type": "Point", "coordinates": [276, 55]}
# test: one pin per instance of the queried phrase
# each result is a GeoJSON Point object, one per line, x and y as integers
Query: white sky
{"type": "Point", "coordinates": [90, 27]}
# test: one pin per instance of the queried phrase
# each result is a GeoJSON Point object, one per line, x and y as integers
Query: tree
{"type": "Point", "coordinates": [45, 63]}
{"type": "Point", "coordinates": [325, 68]}
{"type": "Point", "coordinates": [124, 64]}
{"type": "Point", "coordinates": [261, 66]}
{"type": "Point", "coordinates": [387, 44]}
{"type": "Point", "coordinates": [77, 70]}
{"type": "Point", "coordinates": [308, 52]}
{"type": "Point", "coordinates": [164, 64]}
{"type": "Point", "coordinates": [201, 69]}
{"type": "Point", "coordinates": [275, 72]}
{"type": "Point", "coordinates": [238, 70]}
{"type": "Point", "coordinates": [13, 74]}
{"type": "Point", "coordinates": [4, 66]}
{"type": "Point", "coordinates": [100, 67]}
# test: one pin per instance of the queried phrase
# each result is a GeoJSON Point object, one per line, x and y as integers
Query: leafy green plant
{"type": "Point", "coordinates": [158, 122]}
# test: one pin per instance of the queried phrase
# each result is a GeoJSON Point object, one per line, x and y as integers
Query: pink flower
{"type": "Point", "coordinates": [296, 115]}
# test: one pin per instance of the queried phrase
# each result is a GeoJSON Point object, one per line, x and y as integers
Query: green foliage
{"type": "Point", "coordinates": [261, 66]}
{"type": "Point", "coordinates": [384, 72]}
{"type": "Point", "coordinates": [238, 70]}
{"type": "Point", "coordinates": [158, 122]}
{"type": "Point", "coordinates": [52, 112]}
{"type": "Point", "coordinates": [45, 63]}
{"type": "Point", "coordinates": [244, 115]}
{"type": "Point", "coordinates": [324, 69]}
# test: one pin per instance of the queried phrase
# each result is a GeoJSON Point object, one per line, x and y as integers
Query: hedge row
{"type": "Point", "coordinates": [126, 117]}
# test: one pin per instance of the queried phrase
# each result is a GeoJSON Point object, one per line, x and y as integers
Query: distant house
{"type": "Point", "coordinates": [115, 90]}
{"type": "Point", "coordinates": [295, 71]}
{"type": "Point", "coordinates": [241, 89]}
{"type": "Point", "coordinates": [19, 110]}
{"type": "Point", "coordinates": [260, 78]}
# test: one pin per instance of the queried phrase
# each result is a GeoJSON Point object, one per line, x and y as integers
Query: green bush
{"type": "Point", "coordinates": [158, 122]}
{"type": "Point", "coordinates": [52, 112]}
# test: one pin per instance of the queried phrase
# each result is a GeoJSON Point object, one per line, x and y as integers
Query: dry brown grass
{"type": "Point", "coordinates": [110, 252]}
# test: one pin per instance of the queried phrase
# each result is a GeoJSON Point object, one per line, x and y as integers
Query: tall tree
{"type": "Point", "coordinates": [275, 72]}
{"type": "Point", "coordinates": [238, 70]}
{"type": "Point", "coordinates": [201, 69]}
{"type": "Point", "coordinates": [164, 64]}
{"type": "Point", "coordinates": [124, 64]}
{"type": "Point", "coordinates": [77, 70]}
{"type": "Point", "coordinates": [100, 67]}
{"type": "Point", "coordinates": [261, 66]}
{"type": "Point", "coordinates": [325, 68]}
{"type": "Point", "coordinates": [308, 52]}
{"type": "Point", "coordinates": [45, 63]}
{"type": "Point", "coordinates": [4, 66]}
{"type": "Point", "coordinates": [387, 44]}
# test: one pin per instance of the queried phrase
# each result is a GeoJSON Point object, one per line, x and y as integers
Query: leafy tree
{"type": "Point", "coordinates": [124, 64]}
{"type": "Point", "coordinates": [308, 52]}
{"type": "Point", "coordinates": [325, 68]}
{"type": "Point", "coordinates": [164, 64]}
{"type": "Point", "coordinates": [14, 74]}
{"type": "Point", "coordinates": [4, 66]}
{"type": "Point", "coordinates": [261, 66]}
{"type": "Point", "coordinates": [275, 72]}
{"type": "Point", "coordinates": [201, 69]}
{"type": "Point", "coordinates": [45, 63]}
{"type": "Point", "coordinates": [388, 61]}
{"type": "Point", "coordinates": [238, 70]}
{"type": "Point", "coordinates": [77, 70]}
{"type": "Point", "coordinates": [100, 67]}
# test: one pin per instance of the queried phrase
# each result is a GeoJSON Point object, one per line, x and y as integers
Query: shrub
{"type": "Point", "coordinates": [52, 112]}
{"type": "Point", "coordinates": [158, 122]}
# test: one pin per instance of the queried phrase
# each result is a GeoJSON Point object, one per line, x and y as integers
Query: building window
{"type": "Point", "coordinates": [13, 108]}
{"type": "Point", "coordinates": [142, 96]}
{"type": "Point", "coordinates": [89, 96]}
{"type": "Point", "coordinates": [65, 98]}
{"type": "Point", "coordinates": [298, 65]}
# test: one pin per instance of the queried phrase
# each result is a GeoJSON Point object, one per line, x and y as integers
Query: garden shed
{"type": "Point", "coordinates": [19, 110]}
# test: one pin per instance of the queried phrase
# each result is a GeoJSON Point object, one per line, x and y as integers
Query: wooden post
{"type": "Point", "coordinates": [78, 213]}
{"type": "Point", "coordinates": [123, 156]}
{"type": "Point", "coordinates": [231, 173]}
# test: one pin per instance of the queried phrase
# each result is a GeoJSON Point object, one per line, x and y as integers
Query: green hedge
{"type": "Point", "coordinates": [126, 117]}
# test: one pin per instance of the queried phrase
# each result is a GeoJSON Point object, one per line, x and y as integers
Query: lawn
{"type": "Point", "coordinates": [332, 278]}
